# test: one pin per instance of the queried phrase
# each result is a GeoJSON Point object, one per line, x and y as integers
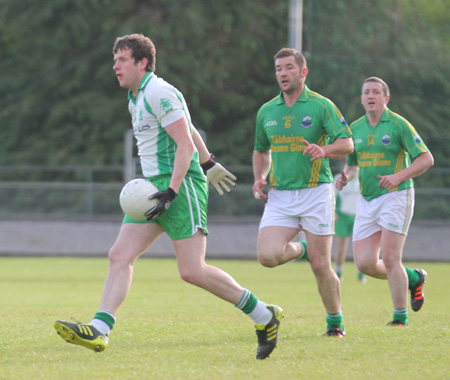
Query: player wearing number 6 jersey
{"type": "Point", "coordinates": [385, 145]}
{"type": "Point", "coordinates": [297, 133]}
{"type": "Point", "coordinates": [167, 142]}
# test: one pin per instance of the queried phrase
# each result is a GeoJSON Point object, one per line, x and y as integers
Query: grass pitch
{"type": "Point", "coordinates": [170, 330]}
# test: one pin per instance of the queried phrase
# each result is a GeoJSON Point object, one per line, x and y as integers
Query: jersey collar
{"type": "Point", "coordinates": [144, 82]}
{"type": "Point", "coordinates": [304, 96]}
{"type": "Point", "coordinates": [384, 117]}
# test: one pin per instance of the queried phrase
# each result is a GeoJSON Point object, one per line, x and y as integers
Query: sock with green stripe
{"type": "Point", "coordinates": [339, 269]}
{"type": "Point", "coordinates": [335, 320]}
{"type": "Point", "coordinates": [254, 308]}
{"type": "Point", "coordinates": [413, 276]}
{"type": "Point", "coordinates": [401, 315]}
{"type": "Point", "coordinates": [103, 321]}
{"type": "Point", "coordinates": [304, 255]}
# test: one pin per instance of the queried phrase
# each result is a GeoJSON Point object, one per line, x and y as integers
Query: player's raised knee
{"type": "Point", "coordinates": [267, 260]}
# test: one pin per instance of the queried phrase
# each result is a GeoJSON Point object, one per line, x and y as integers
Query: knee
{"type": "Point", "coordinates": [114, 255]}
{"type": "Point", "coordinates": [117, 257]}
{"type": "Point", "coordinates": [391, 263]}
{"type": "Point", "coordinates": [363, 267]}
{"type": "Point", "coordinates": [267, 260]}
{"type": "Point", "coordinates": [319, 266]}
{"type": "Point", "coordinates": [191, 276]}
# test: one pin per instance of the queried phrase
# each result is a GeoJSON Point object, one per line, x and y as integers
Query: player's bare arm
{"type": "Point", "coordinates": [347, 175]}
{"type": "Point", "coordinates": [261, 168]}
{"type": "Point", "coordinates": [215, 173]}
{"type": "Point", "coordinates": [203, 152]}
{"type": "Point", "coordinates": [179, 132]}
{"type": "Point", "coordinates": [419, 166]}
{"type": "Point", "coordinates": [338, 149]}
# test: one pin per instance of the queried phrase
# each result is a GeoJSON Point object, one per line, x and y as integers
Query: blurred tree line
{"type": "Point", "coordinates": [61, 103]}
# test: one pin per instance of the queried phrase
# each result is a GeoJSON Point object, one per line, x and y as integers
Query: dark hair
{"type": "Point", "coordinates": [140, 46]}
{"type": "Point", "coordinates": [287, 52]}
{"type": "Point", "coordinates": [384, 86]}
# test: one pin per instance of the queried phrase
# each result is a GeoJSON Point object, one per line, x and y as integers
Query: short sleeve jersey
{"type": "Point", "coordinates": [281, 129]}
{"type": "Point", "coordinates": [157, 105]}
{"type": "Point", "coordinates": [384, 149]}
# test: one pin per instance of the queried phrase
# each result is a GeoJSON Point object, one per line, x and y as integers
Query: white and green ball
{"type": "Point", "coordinates": [134, 198]}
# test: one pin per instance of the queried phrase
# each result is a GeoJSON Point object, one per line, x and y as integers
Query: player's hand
{"type": "Point", "coordinates": [315, 151]}
{"type": "Point", "coordinates": [218, 176]}
{"type": "Point", "coordinates": [165, 199]}
{"type": "Point", "coordinates": [341, 181]}
{"type": "Point", "coordinates": [388, 181]}
{"type": "Point", "coordinates": [258, 187]}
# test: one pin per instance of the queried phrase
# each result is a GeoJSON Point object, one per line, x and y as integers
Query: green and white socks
{"type": "Point", "coordinates": [401, 315]}
{"type": "Point", "coordinates": [304, 255]}
{"type": "Point", "coordinates": [335, 320]}
{"type": "Point", "coordinates": [254, 308]}
{"type": "Point", "coordinates": [413, 276]}
{"type": "Point", "coordinates": [103, 321]}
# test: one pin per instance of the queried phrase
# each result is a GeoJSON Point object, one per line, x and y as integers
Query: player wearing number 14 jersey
{"type": "Point", "coordinates": [388, 154]}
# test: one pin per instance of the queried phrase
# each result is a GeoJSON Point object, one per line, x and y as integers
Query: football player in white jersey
{"type": "Point", "coordinates": [172, 156]}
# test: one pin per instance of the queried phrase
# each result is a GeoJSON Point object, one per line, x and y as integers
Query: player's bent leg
{"type": "Point", "coordinates": [366, 254]}
{"type": "Point", "coordinates": [193, 269]}
{"type": "Point", "coordinates": [82, 335]}
{"type": "Point", "coordinates": [274, 246]}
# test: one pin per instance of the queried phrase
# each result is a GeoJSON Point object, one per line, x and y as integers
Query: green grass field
{"type": "Point", "coordinates": [170, 330]}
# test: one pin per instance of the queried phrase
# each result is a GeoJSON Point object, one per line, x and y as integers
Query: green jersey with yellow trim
{"type": "Point", "coordinates": [384, 149]}
{"type": "Point", "coordinates": [281, 129]}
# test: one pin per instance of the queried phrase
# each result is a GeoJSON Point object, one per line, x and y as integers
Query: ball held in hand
{"type": "Point", "coordinates": [134, 198]}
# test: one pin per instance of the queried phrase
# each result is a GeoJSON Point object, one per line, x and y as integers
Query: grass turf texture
{"type": "Point", "coordinates": [170, 330]}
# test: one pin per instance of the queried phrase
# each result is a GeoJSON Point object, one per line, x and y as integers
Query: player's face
{"type": "Point", "coordinates": [290, 77]}
{"type": "Point", "coordinates": [373, 98]}
{"type": "Point", "coordinates": [128, 72]}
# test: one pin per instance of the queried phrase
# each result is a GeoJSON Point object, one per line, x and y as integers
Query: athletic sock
{"type": "Point", "coordinates": [335, 320]}
{"type": "Point", "coordinates": [413, 276]}
{"type": "Point", "coordinates": [304, 255]}
{"type": "Point", "coordinates": [401, 315]}
{"type": "Point", "coordinates": [254, 308]}
{"type": "Point", "coordinates": [103, 321]}
{"type": "Point", "coordinates": [339, 269]}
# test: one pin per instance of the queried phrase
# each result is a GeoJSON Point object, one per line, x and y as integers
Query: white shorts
{"type": "Point", "coordinates": [392, 211]}
{"type": "Point", "coordinates": [309, 209]}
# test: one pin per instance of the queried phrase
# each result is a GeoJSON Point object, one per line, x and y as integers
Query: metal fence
{"type": "Point", "coordinates": [91, 191]}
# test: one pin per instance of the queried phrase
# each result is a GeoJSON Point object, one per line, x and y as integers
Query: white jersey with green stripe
{"type": "Point", "coordinates": [384, 149]}
{"type": "Point", "coordinates": [281, 129]}
{"type": "Point", "coordinates": [157, 105]}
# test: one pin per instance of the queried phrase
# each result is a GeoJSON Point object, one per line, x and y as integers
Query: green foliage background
{"type": "Point", "coordinates": [61, 104]}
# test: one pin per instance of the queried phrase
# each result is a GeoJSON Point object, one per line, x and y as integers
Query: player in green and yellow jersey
{"type": "Point", "coordinates": [297, 133]}
{"type": "Point", "coordinates": [388, 154]}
